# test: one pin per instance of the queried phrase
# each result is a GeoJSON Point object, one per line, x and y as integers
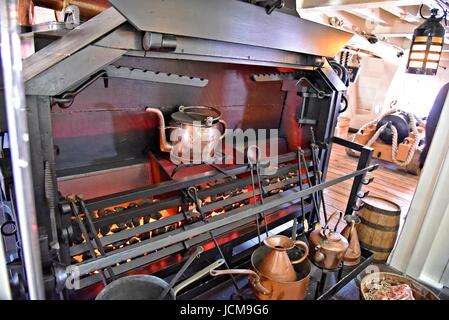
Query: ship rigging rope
{"type": "Point", "coordinates": [394, 145]}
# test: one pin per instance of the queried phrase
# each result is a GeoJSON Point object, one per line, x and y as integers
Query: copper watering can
{"type": "Point", "coordinates": [276, 264]}
{"type": "Point", "coordinates": [265, 287]}
{"type": "Point", "coordinates": [328, 247]}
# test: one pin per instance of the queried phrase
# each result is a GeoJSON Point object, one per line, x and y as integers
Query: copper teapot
{"type": "Point", "coordinates": [194, 133]}
{"type": "Point", "coordinates": [328, 247]}
{"type": "Point", "coordinates": [277, 265]}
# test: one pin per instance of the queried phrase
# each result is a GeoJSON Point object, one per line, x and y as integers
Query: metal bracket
{"type": "Point", "coordinates": [263, 77]}
{"type": "Point", "coordinates": [154, 76]}
{"type": "Point", "coordinates": [66, 99]}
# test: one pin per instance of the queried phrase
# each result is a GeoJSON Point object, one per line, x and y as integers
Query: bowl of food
{"type": "Point", "coordinates": [391, 286]}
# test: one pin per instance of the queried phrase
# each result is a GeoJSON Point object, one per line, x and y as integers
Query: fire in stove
{"type": "Point", "coordinates": [129, 224]}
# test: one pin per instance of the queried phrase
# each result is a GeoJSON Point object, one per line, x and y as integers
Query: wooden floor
{"type": "Point", "coordinates": [389, 183]}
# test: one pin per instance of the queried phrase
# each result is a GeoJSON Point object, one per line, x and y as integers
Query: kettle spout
{"type": "Point", "coordinates": [164, 145]}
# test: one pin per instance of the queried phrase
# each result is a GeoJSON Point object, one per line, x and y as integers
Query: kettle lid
{"type": "Point", "coordinates": [205, 116]}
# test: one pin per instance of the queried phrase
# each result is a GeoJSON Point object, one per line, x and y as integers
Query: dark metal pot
{"type": "Point", "coordinates": [146, 287]}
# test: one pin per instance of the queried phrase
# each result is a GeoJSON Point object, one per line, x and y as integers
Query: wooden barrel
{"type": "Point", "coordinates": [379, 226]}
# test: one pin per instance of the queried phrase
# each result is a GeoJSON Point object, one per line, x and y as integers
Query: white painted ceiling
{"type": "Point", "coordinates": [392, 22]}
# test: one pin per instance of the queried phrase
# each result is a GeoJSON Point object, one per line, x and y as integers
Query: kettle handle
{"type": "Point", "coordinates": [225, 127]}
{"type": "Point", "coordinates": [305, 247]}
{"type": "Point", "coordinates": [254, 277]}
{"type": "Point", "coordinates": [330, 218]}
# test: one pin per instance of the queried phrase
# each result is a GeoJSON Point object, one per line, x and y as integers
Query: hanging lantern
{"type": "Point", "coordinates": [427, 45]}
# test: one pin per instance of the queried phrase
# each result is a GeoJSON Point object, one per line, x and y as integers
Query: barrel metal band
{"type": "Point", "coordinates": [375, 249]}
{"type": "Point", "coordinates": [378, 227]}
{"type": "Point", "coordinates": [380, 211]}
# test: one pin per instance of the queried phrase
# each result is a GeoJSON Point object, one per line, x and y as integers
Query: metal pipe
{"type": "Point", "coordinates": [20, 148]}
{"type": "Point", "coordinates": [5, 289]}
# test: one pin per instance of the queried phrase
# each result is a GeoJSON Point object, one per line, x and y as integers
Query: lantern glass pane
{"type": "Point", "coordinates": [419, 47]}
{"type": "Point", "coordinates": [436, 48]}
{"type": "Point", "coordinates": [416, 64]}
{"type": "Point", "coordinates": [417, 56]}
{"type": "Point", "coordinates": [433, 57]}
{"type": "Point", "coordinates": [437, 40]}
{"type": "Point", "coordinates": [421, 39]}
{"type": "Point", "coordinates": [431, 65]}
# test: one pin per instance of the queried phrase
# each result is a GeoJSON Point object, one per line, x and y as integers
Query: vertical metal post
{"type": "Point", "coordinates": [366, 154]}
{"type": "Point", "coordinates": [20, 149]}
{"type": "Point", "coordinates": [5, 289]}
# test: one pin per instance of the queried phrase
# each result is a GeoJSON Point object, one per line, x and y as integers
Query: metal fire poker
{"type": "Point", "coordinates": [316, 169]}
{"type": "Point", "coordinates": [193, 194]}
{"type": "Point", "coordinates": [295, 221]}
{"type": "Point", "coordinates": [309, 182]}
{"type": "Point", "coordinates": [251, 163]}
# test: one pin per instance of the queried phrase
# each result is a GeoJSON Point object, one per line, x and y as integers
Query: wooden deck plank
{"type": "Point", "coordinates": [389, 184]}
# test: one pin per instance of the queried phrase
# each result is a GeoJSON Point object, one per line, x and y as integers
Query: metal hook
{"type": "Point", "coordinates": [367, 181]}
{"type": "Point", "coordinates": [193, 194]}
{"type": "Point", "coordinates": [257, 158]}
{"type": "Point", "coordinates": [320, 93]}
{"type": "Point", "coordinates": [362, 195]}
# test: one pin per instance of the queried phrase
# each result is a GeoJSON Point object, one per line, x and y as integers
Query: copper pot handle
{"type": "Point", "coordinates": [254, 278]}
{"type": "Point", "coordinates": [301, 244]}
{"type": "Point", "coordinates": [330, 218]}
{"type": "Point", "coordinates": [225, 127]}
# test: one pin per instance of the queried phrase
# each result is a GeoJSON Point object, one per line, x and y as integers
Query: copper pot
{"type": "Point", "coordinates": [276, 265]}
{"type": "Point", "coordinates": [265, 288]}
{"type": "Point", "coordinates": [191, 127]}
{"type": "Point", "coordinates": [327, 247]}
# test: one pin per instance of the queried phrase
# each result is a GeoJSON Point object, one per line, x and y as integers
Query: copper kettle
{"type": "Point", "coordinates": [328, 247]}
{"type": "Point", "coordinates": [194, 133]}
{"type": "Point", "coordinates": [277, 265]}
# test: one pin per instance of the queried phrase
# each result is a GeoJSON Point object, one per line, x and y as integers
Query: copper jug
{"type": "Point", "coordinates": [327, 247]}
{"type": "Point", "coordinates": [276, 265]}
{"type": "Point", "coordinates": [352, 255]}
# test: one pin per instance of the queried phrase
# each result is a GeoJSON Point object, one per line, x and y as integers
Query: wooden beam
{"type": "Point", "coordinates": [402, 14]}
{"type": "Point", "coordinates": [367, 14]}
